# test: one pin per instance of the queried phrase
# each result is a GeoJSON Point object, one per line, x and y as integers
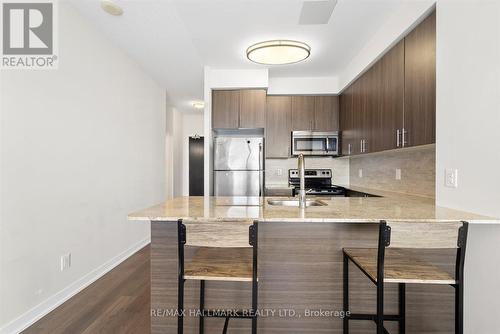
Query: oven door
{"type": "Point", "coordinates": [314, 143]}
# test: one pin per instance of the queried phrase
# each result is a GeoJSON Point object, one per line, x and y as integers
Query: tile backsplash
{"type": "Point", "coordinates": [339, 167]}
{"type": "Point", "coordinates": [410, 170]}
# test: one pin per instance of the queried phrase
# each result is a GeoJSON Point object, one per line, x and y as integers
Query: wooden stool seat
{"type": "Point", "coordinates": [224, 251]}
{"type": "Point", "coordinates": [394, 261]}
{"type": "Point", "coordinates": [220, 264]}
{"type": "Point", "coordinates": [401, 266]}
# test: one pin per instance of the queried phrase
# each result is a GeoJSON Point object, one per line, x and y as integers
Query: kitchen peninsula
{"type": "Point", "coordinates": [300, 262]}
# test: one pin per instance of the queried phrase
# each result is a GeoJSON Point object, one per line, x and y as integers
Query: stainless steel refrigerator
{"type": "Point", "coordinates": [238, 166]}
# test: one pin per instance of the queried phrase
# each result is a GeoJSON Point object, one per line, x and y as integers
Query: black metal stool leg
{"type": "Point", "coordinates": [380, 308]}
{"type": "Point", "coordinates": [254, 325]}
{"type": "Point", "coordinates": [346, 294]}
{"type": "Point", "coordinates": [226, 323]}
{"type": "Point", "coordinates": [402, 308]}
{"type": "Point", "coordinates": [202, 307]}
{"type": "Point", "coordinates": [459, 309]}
{"type": "Point", "coordinates": [180, 307]}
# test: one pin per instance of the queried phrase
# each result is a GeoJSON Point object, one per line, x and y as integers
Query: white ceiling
{"type": "Point", "coordinates": [173, 39]}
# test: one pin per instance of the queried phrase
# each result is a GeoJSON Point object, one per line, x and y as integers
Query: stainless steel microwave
{"type": "Point", "coordinates": [315, 143]}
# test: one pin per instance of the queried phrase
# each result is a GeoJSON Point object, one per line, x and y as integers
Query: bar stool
{"type": "Point", "coordinates": [391, 263]}
{"type": "Point", "coordinates": [225, 251]}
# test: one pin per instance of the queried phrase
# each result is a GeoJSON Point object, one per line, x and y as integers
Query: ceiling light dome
{"type": "Point", "coordinates": [199, 105]}
{"type": "Point", "coordinates": [111, 8]}
{"type": "Point", "coordinates": [278, 52]}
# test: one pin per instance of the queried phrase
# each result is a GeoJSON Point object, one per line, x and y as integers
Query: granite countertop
{"type": "Point", "coordinates": [393, 206]}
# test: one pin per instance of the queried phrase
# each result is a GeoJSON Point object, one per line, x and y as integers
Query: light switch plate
{"type": "Point", "coordinates": [398, 174]}
{"type": "Point", "coordinates": [279, 171]}
{"type": "Point", "coordinates": [360, 173]}
{"type": "Point", "coordinates": [451, 177]}
{"type": "Point", "coordinates": [65, 261]}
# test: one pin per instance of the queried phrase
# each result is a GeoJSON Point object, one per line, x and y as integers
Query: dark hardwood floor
{"type": "Point", "coordinates": [119, 302]}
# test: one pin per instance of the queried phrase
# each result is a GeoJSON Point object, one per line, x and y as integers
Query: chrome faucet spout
{"type": "Point", "coordinates": [302, 190]}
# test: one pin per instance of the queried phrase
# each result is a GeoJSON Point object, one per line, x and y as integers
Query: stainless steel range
{"type": "Point", "coordinates": [318, 182]}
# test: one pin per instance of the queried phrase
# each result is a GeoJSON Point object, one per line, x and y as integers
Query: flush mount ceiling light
{"type": "Point", "coordinates": [278, 52]}
{"type": "Point", "coordinates": [199, 105]}
{"type": "Point", "coordinates": [111, 8]}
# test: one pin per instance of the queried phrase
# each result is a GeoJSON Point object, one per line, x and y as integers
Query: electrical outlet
{"type": "Point", "coordinates": [451, 177]}
{"type": "Point", "coordinates": [360, 173]}
{"type": "Point", "coordinates": [65, 261]}
{"type": "Point", "coordinates": [279, 171]}
{"type": "Point", "coordinates": [398, 173]}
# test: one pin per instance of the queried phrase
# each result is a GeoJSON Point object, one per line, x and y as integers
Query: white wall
{"type": "Point", "coordinates": [177, 153]}
{"type": "Point", "coordinates": [468, 139]}
{"type": "Point", "coordinates": [303, 85]}
{"type": "Point", "coordinates": [468, 104]}
{"type": "Point", "coordinates": [81, 147]}
{"type": "Point", "coordinates": [169, 151]}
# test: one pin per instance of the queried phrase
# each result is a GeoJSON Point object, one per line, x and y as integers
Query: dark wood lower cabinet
{"type": "Point", "coordinates": [300, 270]}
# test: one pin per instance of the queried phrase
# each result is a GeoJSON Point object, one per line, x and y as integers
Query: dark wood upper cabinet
{"type": "Point", "coordinates": [225, 109]}
{"type": "Point", "coordinates": [420, 84]}
{"type": "Point", "coordinates": [252, 108]}
{"type": "Point", "coordinates": [278, 126]}
{"type": "Point", "coordinates": [358, 116]}
{"type": "Point", "coordinates": [369, 111]}
{"type": "Point", "coordinates": [302, 112]}
{"type": "Point", "coordinates": [326, 113]}
{"type": "Point", "coordinates": [346, 122]}
{"type": "Point", "coordinates": [396, 95]}
{"type": "Point", "coordinates": [392, 97]}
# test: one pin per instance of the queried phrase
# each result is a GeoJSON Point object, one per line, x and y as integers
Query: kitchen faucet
{"type": "Point", "coordinates": [302, 190]}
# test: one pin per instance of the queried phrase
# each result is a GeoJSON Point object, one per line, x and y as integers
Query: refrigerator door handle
{"type": "Point", "coordinates": [261, 179]}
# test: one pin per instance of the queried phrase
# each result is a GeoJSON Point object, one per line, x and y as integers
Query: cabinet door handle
{"type": "Point", "coordinates": [398, 132]}
{"type": "Point", "coordinates": [349, 146]}
{"type": "Point", "coordinates": [403, 134]}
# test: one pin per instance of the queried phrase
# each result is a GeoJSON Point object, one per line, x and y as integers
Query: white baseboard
{"type": "Point", "coordinates": [36, 313]}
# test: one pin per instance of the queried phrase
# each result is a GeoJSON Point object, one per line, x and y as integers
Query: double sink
{"type": "Point", "coordinates": [315, 202]}
{"type": "Point", "coordinates": [295, 202]}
